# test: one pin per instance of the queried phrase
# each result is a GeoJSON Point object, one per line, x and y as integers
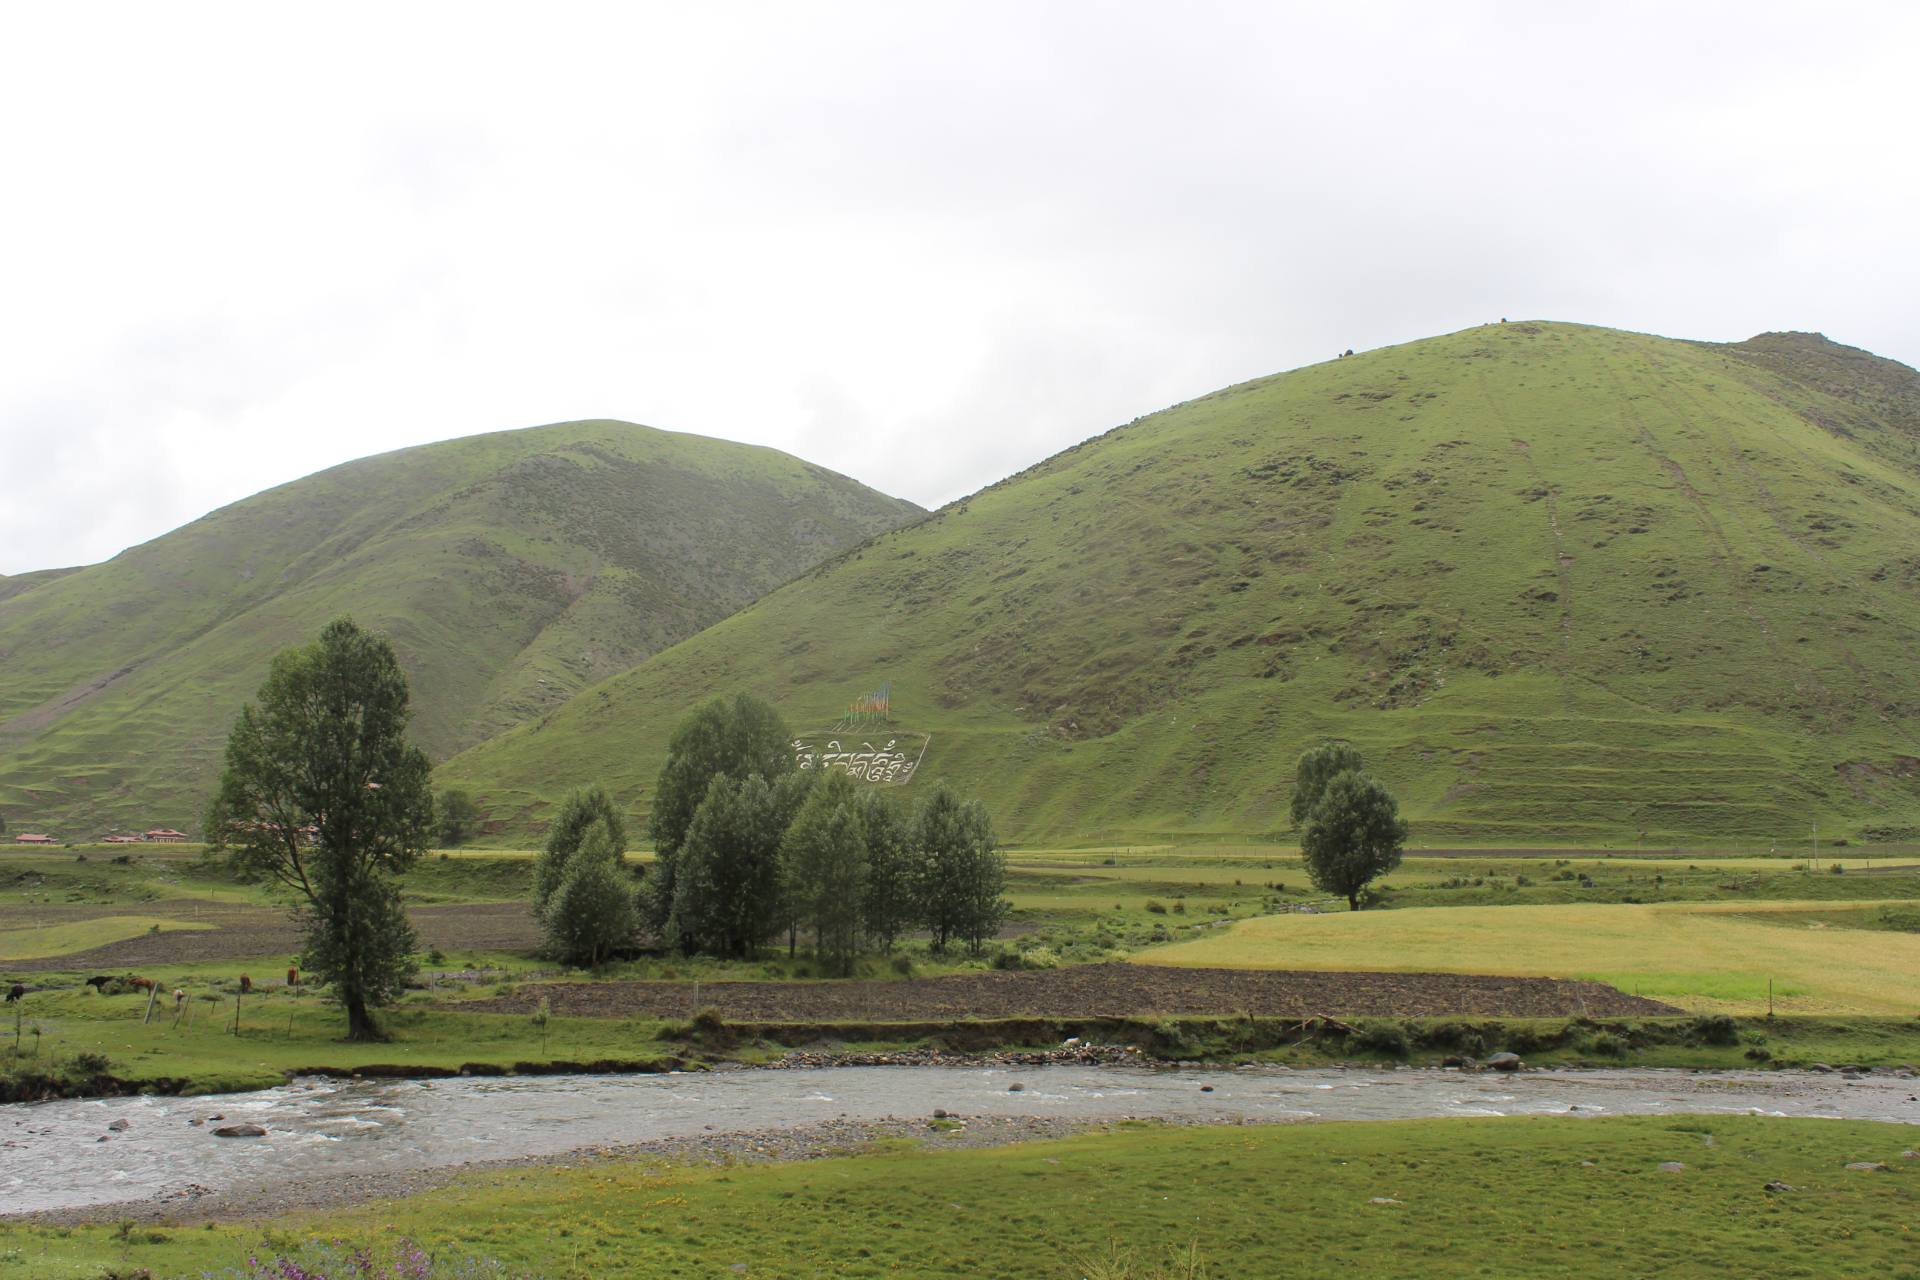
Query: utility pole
{"type": "Point", "coordinates": [1814, 863]}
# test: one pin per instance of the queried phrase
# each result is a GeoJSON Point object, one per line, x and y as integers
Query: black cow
{"type": "Point", "coordinates": [15, 992]}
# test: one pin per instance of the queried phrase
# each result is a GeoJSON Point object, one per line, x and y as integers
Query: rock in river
{"type": "Point", "coordinates": [239, 1131]}
{"type": "Point", "coordinates": [1505, 1062]}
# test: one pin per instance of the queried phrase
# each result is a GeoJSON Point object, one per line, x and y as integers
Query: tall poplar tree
{"type": "Point", "coordinates": [323, 793]}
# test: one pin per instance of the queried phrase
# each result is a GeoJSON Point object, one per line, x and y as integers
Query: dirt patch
{"type": "Point", "coordinates": [1095, 990]}
{"type": "Point", "coordinates": [245, 932]}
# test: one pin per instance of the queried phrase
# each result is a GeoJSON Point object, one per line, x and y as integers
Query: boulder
{"type": "Point", "coordinates": [1460, 1060]}
{"type": "Point", "coordinates": [1505, 1062]}
{"type": "Point", "coordinates": [118, 1126]}
{"type": "Point", "coordinates": [1777, 1185]}
{"type": "Point", "coordinates": [1016, 1087]}
{"type": "Point", "coordinates": [1869, 1166]}
{"type": "Point", "coordinates": [239, 1131]}
{"type": "Point", "coordinates": [1910, 1155]}
{"type": "Point", "coordinates": [1672, 1166]}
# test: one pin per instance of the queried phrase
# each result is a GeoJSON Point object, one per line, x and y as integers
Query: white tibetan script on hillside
{"type": "Point", "coordinates": [892, 761]}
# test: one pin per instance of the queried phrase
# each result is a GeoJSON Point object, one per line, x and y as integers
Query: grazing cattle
{"type": "Point", "coordinates": [179, 995]}
{"type": "Point", "coordinates": [293, 977]}
{"type": "Point", "coordinates": [15, 992]}
{"type": "Point", "coordinates": [99, 981]}
{"type": "Point", "coordinates": [135, 982]}
{"type": "Point", "coordinates": [246, 984]}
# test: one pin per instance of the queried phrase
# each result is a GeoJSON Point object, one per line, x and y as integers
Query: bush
{"type": "Point", "coordinates": [91, 1063]}
{"type": "Point", "coordinates": [1607, 1045]}
{"type": "Point", "coordinates": [1158, 908]}
{"type": "Point", "coordinates": [1715, 1028]}
{"type": "Point", "coordinates": [1382, 1038]}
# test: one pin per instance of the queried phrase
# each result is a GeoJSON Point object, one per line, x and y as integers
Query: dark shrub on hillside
{"type": "Point", "coordinates": [1715, 1028]}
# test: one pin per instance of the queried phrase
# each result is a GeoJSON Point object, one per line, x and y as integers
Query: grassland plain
{"type": "Point", "coordinates": [1829, 943]}
{"type": "Point", "coordinates": [509, 569]}
{"type": "Point", "coordinates": [1509, 1197]}
{"type": "Point", "coordinates": [1559, 583]}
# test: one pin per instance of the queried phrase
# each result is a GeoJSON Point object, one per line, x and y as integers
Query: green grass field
{"type": "Point", "coordinates": [1707, 956]}
{"type": "Point", "coordinates": [1559, 583]}
{"type": "Point", "coordinates": [510, 570]}
{"type": "Point", "coordinates": [1471, 1198]}
{"type": "Point", "coordinates": [65, 939]}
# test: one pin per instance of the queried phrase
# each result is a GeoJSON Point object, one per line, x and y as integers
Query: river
{"type": "Point", "coordinates": [54, 1156]}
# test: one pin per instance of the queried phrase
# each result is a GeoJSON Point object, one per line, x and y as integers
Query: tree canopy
{"type": "Point", "coordinates": [741, 738]}
{"type": "Point", "coordinates": [457, 817]}
{"type": "Point", "coordinates": [583, 809]}
{"type": "Point", "coordinates": [726, 887]}
{"type": "Point", "coordinates": [591, 914]}
{"type": "Point", "coordinates": [959, 873]}
{"type": "Point", "coordinates": [1315, 770]}
{"type": "Point", "coordinates": [1354, 834]}
{"type": "Point", "coordinates": [323, 793]}
{"type": "Point", "coordinates": [824, 854]}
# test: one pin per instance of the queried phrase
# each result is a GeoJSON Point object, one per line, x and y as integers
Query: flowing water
{"type": "Point", "coordinates": [51, 1155]}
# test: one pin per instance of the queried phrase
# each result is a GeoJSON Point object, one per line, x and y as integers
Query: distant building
{"type": "Point", "coordinates": [33, 837]}
{"type": "Point", "coordinates": [165, 835]}
{"type": "Point", "coordinates": [121, 840]}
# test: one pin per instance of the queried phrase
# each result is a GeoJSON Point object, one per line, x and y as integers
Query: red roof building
{"type": "Point", "coordinates": [121, 840]}
{"type": "Point", "coordinates": [31, 837]}
{"type": "Point", "coordinates": [166, 835]}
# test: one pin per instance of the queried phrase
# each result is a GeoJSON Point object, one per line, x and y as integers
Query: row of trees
{"type": "Point", "coordinates": [752, 851]}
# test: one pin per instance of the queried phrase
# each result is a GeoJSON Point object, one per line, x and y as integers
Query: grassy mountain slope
{"type": "Point", "coordinates": [1554, 580]}
{"type": "Point", "coordinates": [511, 570]}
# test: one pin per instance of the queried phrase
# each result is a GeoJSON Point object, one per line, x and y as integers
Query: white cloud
{"type": "Point", "coordinates": [922, 244]}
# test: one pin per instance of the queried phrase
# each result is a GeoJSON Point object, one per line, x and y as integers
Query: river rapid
{"type": "Point", "coordinates": [76, 1153]}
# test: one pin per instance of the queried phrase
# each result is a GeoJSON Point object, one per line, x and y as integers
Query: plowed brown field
{"type": "Point", "coordinates": [1095, 990]}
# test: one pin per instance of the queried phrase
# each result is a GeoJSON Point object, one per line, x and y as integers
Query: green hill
{"type": "Point", "coordinates": [511, 570]}
{"type": "Point", "coordinates": [1556, 581]}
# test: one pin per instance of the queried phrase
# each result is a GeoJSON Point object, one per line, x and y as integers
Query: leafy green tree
{"type": "Point", "coordinates": [323, 793]}
{"type": "Point", "coordinates": [727, 892]}
{"type": "Point", "coordinates": [889, 908]}
{"type": "Point", "coordinates": [740, 738]}
{"type": "Point", "coordinates": [459, 817]}
{"type": "Point", "coordinates": [1314, 771]}
{"type": "Point", "coordinates": [825, 856]}
{"type": "Point", "coordinates": [591, 915]}
{"type": "Point", "coordinates": [959, 875]}
{"type": "Point", "coordinates": [1354, 834]}
{"type": "Point", "coordinates": [583, 809]}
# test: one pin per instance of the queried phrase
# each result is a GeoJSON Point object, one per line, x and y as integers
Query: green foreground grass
{"type": "Point", "coordinates": [1469, 1198]}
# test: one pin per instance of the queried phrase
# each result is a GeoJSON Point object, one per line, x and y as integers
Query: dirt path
{"type": "Point", "coordinates": [1095, 990]}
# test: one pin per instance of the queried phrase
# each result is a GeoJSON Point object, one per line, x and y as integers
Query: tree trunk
{"type": "Point", "coordinates": [1353, 902]}
{"type": "Point", "coordinates": [360, 1024]}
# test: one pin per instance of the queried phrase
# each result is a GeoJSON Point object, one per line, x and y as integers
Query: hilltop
{"type": "Point", "coordinates": [511, 571]}
{"type": "Point", "coordinates": [1555, 580]}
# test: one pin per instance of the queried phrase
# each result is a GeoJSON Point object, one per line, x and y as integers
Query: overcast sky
{"type": "Point", "coordinates": [922, 244]}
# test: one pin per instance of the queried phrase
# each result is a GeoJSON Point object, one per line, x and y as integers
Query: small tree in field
{"type": "Point", "coordinates": [591, 915]}
{"type": "Point", "coordinates": [1314, 771]}
{"type": "Point", "coordinates": [726, 890]}
{"type": "Point", "coordinates": [959, 874]}
{"type": "Point", "coordinates": [323, 793]}
{"type": "Point", "coordinates": [1353, 834]}
{"type": "Point", "coordinates": [825, 856]}
{"type": "Point", "coordinates": [740, 738]}
{"type": "Point", "coordinates": [583, 809]}
{"type": "Point", "coordinates": [888, 907]}
{"type": "Point", "coordinates": [458, 818]}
